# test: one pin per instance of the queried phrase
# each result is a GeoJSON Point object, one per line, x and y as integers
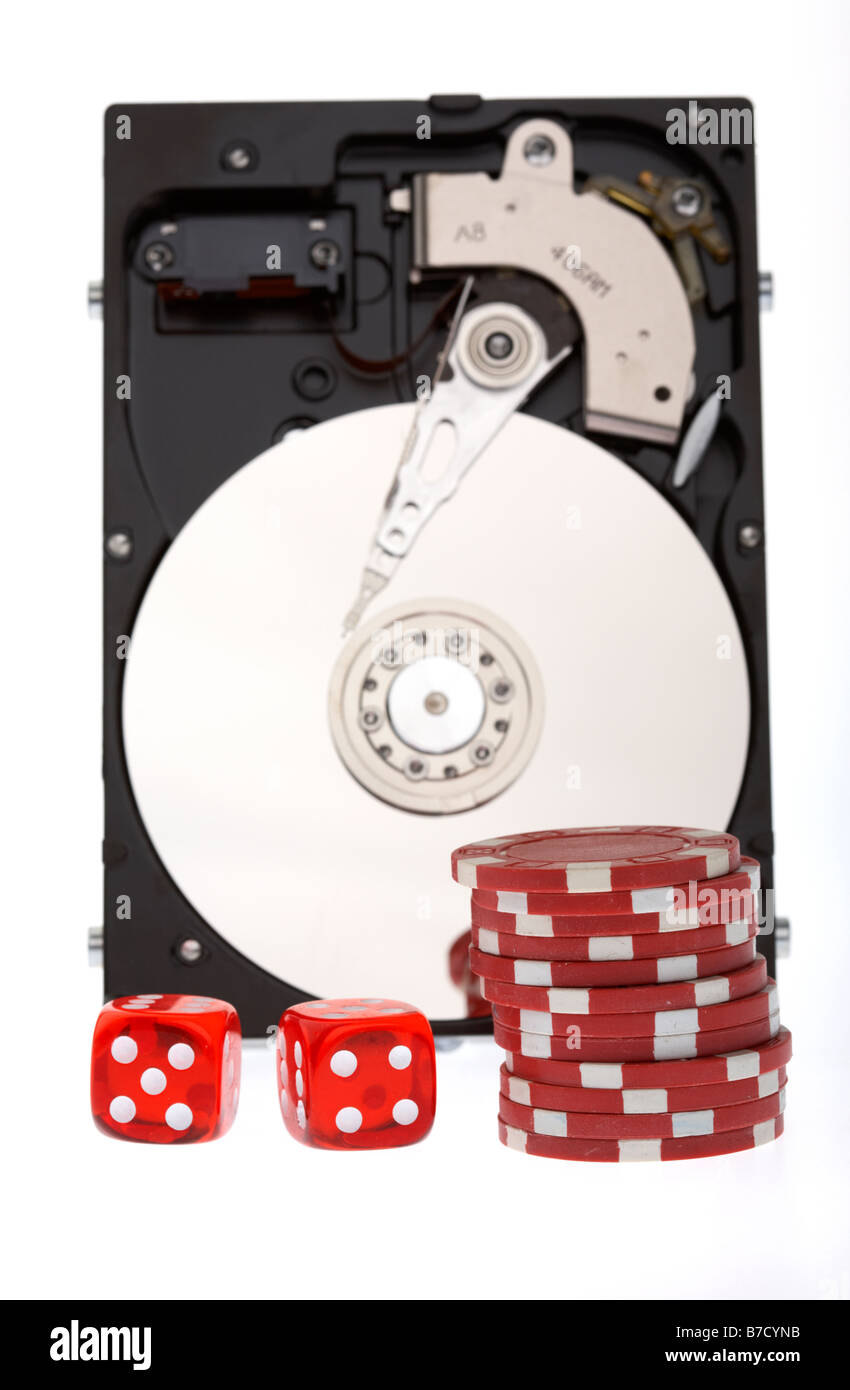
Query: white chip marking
{"type": "Point", "coordinates": [551, 1122]}
{"type": "Point", "coordinates": [679, 919]}
{"type": "Point", "coordinates": [716, 862]}
{"type": "Point", "coordinates": [535, 1045]}
{"type": "Point", "coordinates": [712, 990]}
{"type": "Point", "coordinates": [534, 1021]}
{"type": "Point", "coordinates": [124, 1049]}
{"type": "Point", "coordinates": [639, 1150]}
{"type": "Point", "coordinates": [400, 1057]}
{"type": "Point", "coordinates": [601, 1076]}
{"type": "Point", "coordinates": [674, 1047]}
{"type": "Point", "coordinates": [740, 1065]}
{"type": "Point", "coordinates": [690, 1122]}
{"type": "Point", "coordinates": [610, 948]}
{"type": "Point", "coordinates": [515, 1138]}
{"type": "Point", "coordinates": [676, 968]}
{"type": "Point", "coordinates": [153, 1081]}
{"type": "Point", "coordinates": [488, 941]}
{"type": "Point", "coordinates": [467, 869]}
{"type": "Point", "coordinates": [569, 1001]}
{"type": "Point", "coordinates": [178, 1116]}
{"type": "Point", "coordinates": [672, 1023]}
{"type": "Point", "coordinates": [519, 1090]}
{"type": "Point", "coordinates": [763, 1133]}
{"type": "Point", "coordinates": [652, 900]}
{"type": "Point", "coordinates": [644, 1102]}
{"type": "Point", "coordinates": [769, 1083]}
{"type": "Point", "coordinates": [122, 1109]}
{"type": "Point", "coordinates": [532, 972]}
{"type": "Point", "coordinates": [737, 932]}
{"type": "Point", "coordinates": [589, 877]}
{"type": "Point", "coordinates": [533, 926]}
{"type": "Point", "coordinates": [181, 1056]}
{"type": "Point", "coordinates": [405, 1112]}
{"type": "Point", "coordinates": [348, 1120]}
{"type": "Point", "coordinates": [343, 1063]}
{"type": "Point", "coordinates": [512, 902]}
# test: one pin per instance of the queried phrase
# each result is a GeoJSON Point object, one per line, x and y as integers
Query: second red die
{"type": "Point", "coordinates": [356, 1073]}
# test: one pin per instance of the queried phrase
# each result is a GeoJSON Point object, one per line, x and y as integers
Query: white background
{"type": "Point", "coordinates": [457, 1217]}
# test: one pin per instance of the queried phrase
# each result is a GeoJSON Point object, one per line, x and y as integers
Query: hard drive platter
{"type": "Point", "coordinates": [557, 648]}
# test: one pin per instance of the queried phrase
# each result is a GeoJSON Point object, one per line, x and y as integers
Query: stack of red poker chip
{"type": "Point", "coordinates": [621, 969]}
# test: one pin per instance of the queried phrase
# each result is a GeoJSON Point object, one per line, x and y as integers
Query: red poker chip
{"type": "Point", "coordinates": [701, 902]}
{"type": "Point", "coordinates": [598, 859]}
{"type": "Point", "coordinates": [645, 1100]}
{"type": "Point", "coordinates": [459, 971]}
{"type": "Point", "coordinates": [568, 1124]}
{"type": "Point", "coordinates": [606, 949]}
{"type": "Point", "coordinates": [659, 1023]}
{"type": "Point", "coordinates": [682, 994]}
{"type": "Point", "coordinates": [641, 1150]}
{"type": "Point", "coordinates": [653, 971]}
{"type": "Point", "coordinates": [732, 1060]}
{"type": "Point", "coordinates": [740, 905]}
{"type": "Point", "coordinates": [650, 1047]}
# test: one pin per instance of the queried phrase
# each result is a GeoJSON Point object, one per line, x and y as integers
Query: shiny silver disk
{"type": "Point", "coordinates": [607, 606]}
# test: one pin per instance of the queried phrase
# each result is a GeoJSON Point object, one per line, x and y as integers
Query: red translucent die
{"type": "Point", "coordinates": [356, 1073]}
{"type": "Point", "coordinates": [165, 1068]}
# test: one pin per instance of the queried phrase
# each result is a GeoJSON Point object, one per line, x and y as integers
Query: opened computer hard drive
{"type": "Point", "coordinates": [433, 509]}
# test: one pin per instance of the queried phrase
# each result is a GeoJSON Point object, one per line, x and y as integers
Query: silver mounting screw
{"type": "Point", "coordinates": [119, 545]}
{"type": "Point", "coordinates": [502, 690]}
{"type": "Point", "coordinates": [238, 158]}
{"type": "Point", "coordinates": [95, 946]}
{"type": "Point", "coordinates": [686, 200]}
{"type": "Point", "coordinates": [782, 937]}
{"type": "Point", "coordinates": [94, 299]}
{"type": "Point", "coordinates": [324, 254]}
{"type": "Point", "coordinates": [750, 535]}
{"type": "Point", "coordinates": [190, 951]}
{"type": "Point", "coordinates": [158, 256]}
{"type": "Point", "coordinates": [370, 719]}
{"type": "Point", "coordinates": [539, 150]}
{"type": "Point", "coordinates": [416, 769]}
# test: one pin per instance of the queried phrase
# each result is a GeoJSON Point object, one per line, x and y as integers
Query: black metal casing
{"type": "Point", "coordinates": [219, 373]}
